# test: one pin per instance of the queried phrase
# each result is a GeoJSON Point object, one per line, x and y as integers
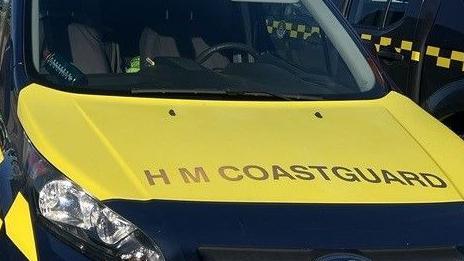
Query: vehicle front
{"type": "Point", "coordinates": [217, 130]}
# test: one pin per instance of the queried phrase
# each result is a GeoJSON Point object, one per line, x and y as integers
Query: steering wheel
{"type": "Point", "coordinates": [205, 55]}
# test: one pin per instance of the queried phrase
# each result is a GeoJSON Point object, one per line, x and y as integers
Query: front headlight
{"type": "Point", "coordinates": [81, 220]}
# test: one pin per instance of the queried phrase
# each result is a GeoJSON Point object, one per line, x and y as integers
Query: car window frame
{"type": "Point", "coordinates": [386, 27]}
{"type": "Point", "coordinates": [383, 26]}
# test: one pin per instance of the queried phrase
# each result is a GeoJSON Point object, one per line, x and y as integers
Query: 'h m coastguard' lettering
{"type": "Point", "coordinates": [296, 173]}
{"type": "Point", "coordinates": [196, 177]}
{"type": "Point", "coordinates": [153, 177]}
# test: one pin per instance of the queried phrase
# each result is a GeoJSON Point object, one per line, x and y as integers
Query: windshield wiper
{"type": "Point", "coordinates": [235, 93]}
{"type": "Point", "coordinates": [256, 94]}
{"type": "Point", "coordinates": [304, 97]}
{"type": "Point", "coordinates": [143, 91]}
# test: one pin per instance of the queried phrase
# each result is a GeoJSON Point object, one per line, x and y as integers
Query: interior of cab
{"type": "Point", "coordinates": [211, 43]}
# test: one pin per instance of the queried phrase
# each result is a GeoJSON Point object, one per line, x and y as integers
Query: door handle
{"type": "Point", "coordinates": [390, 56]}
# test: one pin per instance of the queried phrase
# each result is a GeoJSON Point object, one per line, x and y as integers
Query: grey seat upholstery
{"type": "Point", "coordinates": [152, 44]}
{"type": "Point", "coordinates": [90, 51]}
{"type": "Point", "coordinates": [87, 49]}
{"type": "Point", "coordinates": [216, 61]}
{"type": "Point", "coordinates": [181, 34]}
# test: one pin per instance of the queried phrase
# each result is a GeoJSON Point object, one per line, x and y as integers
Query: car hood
{"type": "Point", "coordinates": [375, 151]}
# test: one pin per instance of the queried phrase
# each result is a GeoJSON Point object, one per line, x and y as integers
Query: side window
{"type": "Point", "coordinates": [368, 12]}
{"type": "Point", "coordinates": [396, 11]}
{"type": "Point", "coordinates": [376, 13]}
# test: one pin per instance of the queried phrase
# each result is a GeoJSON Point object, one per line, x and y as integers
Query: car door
{"type": "Point", "coordinates": [444, 61]}
{"type": "Point", "coordinates": [388, 27]}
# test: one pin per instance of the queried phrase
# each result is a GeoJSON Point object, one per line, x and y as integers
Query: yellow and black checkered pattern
{"type": "Point", "coordinates": [293, 30]}
{"type": "Point", "coordinates": [401, 46]}
{"type": "Point", "coordinates": [404, 47]}
{"type": "Point", "coordinates": [447, 59]}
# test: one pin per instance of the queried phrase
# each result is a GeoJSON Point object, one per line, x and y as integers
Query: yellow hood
{"type": "Point", "coordinates": [378, 151]}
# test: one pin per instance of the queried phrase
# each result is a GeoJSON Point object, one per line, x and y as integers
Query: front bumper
{"type": "Point", "coordinates": [185, 230]}
{"type": "Point", "coordinates": [221, 231]}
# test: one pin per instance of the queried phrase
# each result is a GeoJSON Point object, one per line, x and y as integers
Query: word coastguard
{"type": "Point", "coordinates": [300, 172]}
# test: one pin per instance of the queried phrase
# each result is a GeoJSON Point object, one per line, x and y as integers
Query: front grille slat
{"type": "Point", "coordinates": [252, 254]}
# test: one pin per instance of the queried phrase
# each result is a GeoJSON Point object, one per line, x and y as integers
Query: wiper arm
{"type": "Point", "coordinates": [237, 93]}
{"type": "Point", "coordinates": [304, 97]}
{"type": "Point", "coordinates": [257, 94]}
{"type": "Point", "coordinates": [208, 92]}
{"type": "Point", "coordinates": [177, 91]}
{"type": "Point", "coordinates": [285, 97]}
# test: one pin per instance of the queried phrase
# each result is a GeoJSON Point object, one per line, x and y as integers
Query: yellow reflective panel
{"type": "Point", "coordinates": [415, 56]}
{"type": "Point", "coordinates": [433, 51]}
{"type": "Point", "coordinates": [457, 56]}
{"type": "Point", "coordinates": [406, 45]}
{"type": "Point", "coordinates": [18, 227]}
{"type": "Point", "coordinates": [372, 151]}
{"type": "Point", "coordinates": [385, 41]}
{"type": "Point", "coordinates": [443, 62]}
{"type": "Point", "coordinates": [367, 37]}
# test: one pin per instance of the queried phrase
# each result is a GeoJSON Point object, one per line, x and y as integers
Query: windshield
{"type": "Point", "coordinates": [284, 48]}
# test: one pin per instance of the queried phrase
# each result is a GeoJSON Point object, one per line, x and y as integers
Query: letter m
{"type": "Point", "coordinates": [198, 176]}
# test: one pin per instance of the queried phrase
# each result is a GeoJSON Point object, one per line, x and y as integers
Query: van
{"type": "Point", "coordinates": [214, 130]}
{"type": "Point", "coordinates": [419, 44]}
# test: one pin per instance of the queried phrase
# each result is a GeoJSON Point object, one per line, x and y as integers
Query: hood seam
{"type": "Point", "coordinates": [426, 152]}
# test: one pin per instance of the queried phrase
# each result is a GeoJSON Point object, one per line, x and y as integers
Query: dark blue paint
{"type": "Point", "coordinates": [183, 227]}
{"type": "Point", "coordinates": [8, 251]}
{"type": "Point", "coordinates": [53, 249]}
{"type": "Point", "coordinates": [7, 194]}
{"type": "Point", "coordinates": [20, 45]}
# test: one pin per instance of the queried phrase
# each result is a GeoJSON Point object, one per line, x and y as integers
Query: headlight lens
{"type": "Point", "coordinates": [60, 201]}
{"type": "Point", "coordinates": [80, 219]}
{"type": "Point", "coordinates": [111, 228]}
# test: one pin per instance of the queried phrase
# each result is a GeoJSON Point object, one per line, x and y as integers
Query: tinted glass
{"type": "Point", "coordinates": [368, 12]}
{"type": "Point", "coordinates": [371, 13]}
{"type": "Point", "coordinates": [396, 11]}
{"type": "Point", "coordinates": [213, 45]}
